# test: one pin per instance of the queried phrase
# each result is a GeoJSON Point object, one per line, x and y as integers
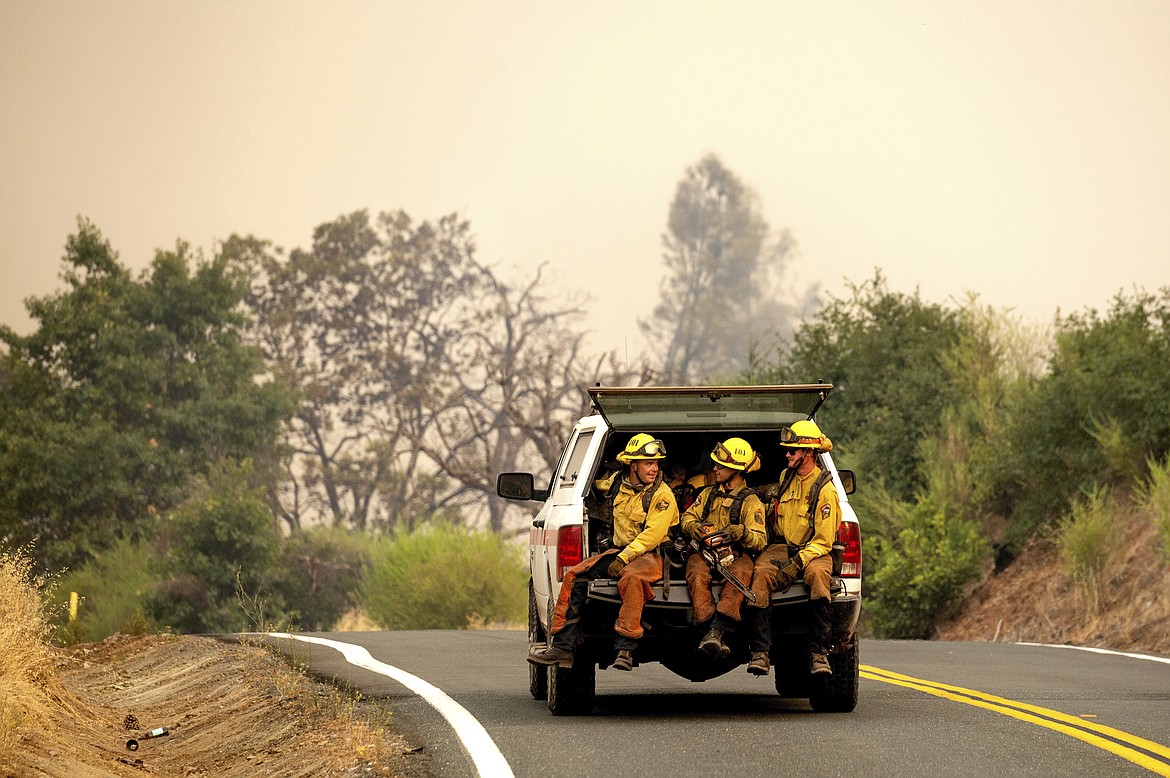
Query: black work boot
{"type": "Point", "coordinates": [624, 660]}
{"type": "Point", "coordinates": [712, 643]}
{"type": "Point", "coordinates": [552, 656]}
{"type": "Point", "coordinates": [758, 622]}
{"type": "Point", "coordinates": [759, 664]}
{"type": "Point", "coordinates": [821, 638]}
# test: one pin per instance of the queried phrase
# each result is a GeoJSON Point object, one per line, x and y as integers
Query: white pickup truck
{"type": "Point", "coordinates": [689, 421]}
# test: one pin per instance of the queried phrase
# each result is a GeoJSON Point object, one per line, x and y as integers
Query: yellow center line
{"type": "Point", "coordinates": [1080, 729]}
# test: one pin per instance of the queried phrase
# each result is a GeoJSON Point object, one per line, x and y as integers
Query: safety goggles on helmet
{"type": "Point", "coordinates": [793, 440]}
{"type": "Point", "coordinates": [642, 446]}
{"type": "Point", "coordinates": [649, 450]}
{"type": "Point", "coordinates": [746, 461]}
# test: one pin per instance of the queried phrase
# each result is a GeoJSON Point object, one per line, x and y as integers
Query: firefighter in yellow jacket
{"type": "Point", "coordinates": [643, 510]}
{"type": "Point", "coordinates": [808, 514]}
{"type": "Point", "coordinates": [728, 506]}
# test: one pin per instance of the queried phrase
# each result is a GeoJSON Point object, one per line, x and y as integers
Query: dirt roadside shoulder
{"type": "Point", "coordinates": [229, 708]}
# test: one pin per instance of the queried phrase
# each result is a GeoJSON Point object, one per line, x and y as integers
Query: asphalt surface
{"type": "Point", "coordinates": [1001, 712]}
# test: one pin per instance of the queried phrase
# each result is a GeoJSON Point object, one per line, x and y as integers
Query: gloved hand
{"type": "Point", "coordinates": [701, 530]}
{"type": "Point", "coordinates": [789, 572]}
{"type": "Point", "coordinates": [735, 531]}
{"type": "Point", "coordinates": [615, 567]}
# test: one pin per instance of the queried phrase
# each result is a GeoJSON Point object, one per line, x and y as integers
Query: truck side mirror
{"type": "Point", "coordinates": [848, 480]}
{"type": "Point", "coordinates": [518, 486]}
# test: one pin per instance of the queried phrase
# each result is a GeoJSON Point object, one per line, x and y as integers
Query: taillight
{"type": "Point", "coordinates": [569, 549]}
{"type": "Point", "coordinates": [850, 534]}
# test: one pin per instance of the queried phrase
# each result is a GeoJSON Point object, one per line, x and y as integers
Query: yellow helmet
{"type": "Point", "coordinates": [805, 434]}
{"type": "Point", "coordinates": [642, 446]}
{"type": "Point", "coordinates": [737, 454]}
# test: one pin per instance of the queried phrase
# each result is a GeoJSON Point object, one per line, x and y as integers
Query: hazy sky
{"type": "Point", "coordinates": [1020, 150]}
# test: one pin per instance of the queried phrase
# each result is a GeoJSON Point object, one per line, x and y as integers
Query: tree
{"type": "Point", "coordinates": [126, 390]}
{"type": "Point", "coordinates": [722, 297]}
{"type": "Point", "coordinates": [1101, 412]}
{"type": "Point", "coordinates": [424, 374]}
{"type": "Point", "coordinates": [355, 323]}
{"type": "Point", "coordinates": [995, 362]}
{"type": "Point", "coordinates": [511, 393]}
{"type": "Point", "coordinates": [884, 352]}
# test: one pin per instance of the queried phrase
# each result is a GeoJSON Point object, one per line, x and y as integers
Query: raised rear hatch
{"type": "Point", "coordinates": [743, 408]}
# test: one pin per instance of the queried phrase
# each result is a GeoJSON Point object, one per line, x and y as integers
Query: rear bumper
{"type": "Point", "coordinates": [605, 590]}
{"type": "Point", "coordinates": [790, 608]}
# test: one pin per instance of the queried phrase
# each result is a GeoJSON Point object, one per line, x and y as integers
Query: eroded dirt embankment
{"type": "Point", "coordinates": [230, 709]}
{"type": "Point", "coordinates": [1034, 599]}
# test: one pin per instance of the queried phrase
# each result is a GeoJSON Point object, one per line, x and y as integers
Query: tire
{"type": "Point", "coordinates": [838, 692]}
{"type": "Point", "coordinates": [571, 690]}
{"type": "Point", "coordinates": [537, 675]}
{"type": "Point", "coordinates": [788, 684]}
{"type": "Point", "coordinates": [790, 669]}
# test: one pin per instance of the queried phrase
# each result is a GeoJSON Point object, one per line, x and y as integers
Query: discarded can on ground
{"type": "Point", "coordinates": [132, 744]}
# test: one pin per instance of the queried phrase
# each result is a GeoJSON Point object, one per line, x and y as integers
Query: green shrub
{"type": "Point", "coordinates": [1153, 497]}
{"type": "Point", "coordinates": [1083, 541]}
{"type": "Point", "coordinates": [446, 577]}
{"type": "Point", "coordinates": [114, 588]}
{"type": "Point", "coordinates": [923, 572]}
{"type": "Point", "coordinates": [320, 573]}
{"type": "Point", "coordinates": [881, 516]}
{"type": "Point", "coordinates": [218, 548]}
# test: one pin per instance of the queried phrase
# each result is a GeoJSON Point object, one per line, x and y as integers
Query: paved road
{"type": "Point", "coordinates": [926, 708]}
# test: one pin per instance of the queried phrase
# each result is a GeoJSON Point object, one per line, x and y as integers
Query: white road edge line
{"type": "Point", "coordinates": [475, 739]}
{"type": "Point", "coordinates": [1162, 659]}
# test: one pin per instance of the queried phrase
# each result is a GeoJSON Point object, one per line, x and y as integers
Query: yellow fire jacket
{"type": "Point", "coordinates": [637, 529]}
{"type": "Point", "coordinates": [792, 517]}
{"type": "Point", "coordinates": [751, 515]}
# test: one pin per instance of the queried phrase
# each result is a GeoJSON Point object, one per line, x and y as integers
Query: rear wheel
{"type": "Point", "coordinates": [790, 669]}
{"type": "Point", "coordinates": [838, 692]}
{"type": "Point", "coordinates": [537, 675]}
{"type": "Point", "coordinates": [571, 690]}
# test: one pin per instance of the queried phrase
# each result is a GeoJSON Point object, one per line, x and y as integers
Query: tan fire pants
{"type": "Point", "coordinates": [633, 587]}
{"type": "Point", "coordinates": [699, 578]}
{"type": "Point", "coordinates": [818, 573]}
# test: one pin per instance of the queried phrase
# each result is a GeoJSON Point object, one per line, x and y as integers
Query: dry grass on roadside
{"type": "Point", "coordinates": [234, 709]}
{"type": "Point", "coordinates": [28, 690]}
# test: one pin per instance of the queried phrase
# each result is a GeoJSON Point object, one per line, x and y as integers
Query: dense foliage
{"type": "Point", "coordinates": [1101, 412]}
{"type": "Point", "coordinates": [127, 390]}
{"type": "Point", "coordinates": [882, 350]}
{"type": "Point", "coordinates": [320, 574]}
{"type": "Point", "coordinates": [217, 551]}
